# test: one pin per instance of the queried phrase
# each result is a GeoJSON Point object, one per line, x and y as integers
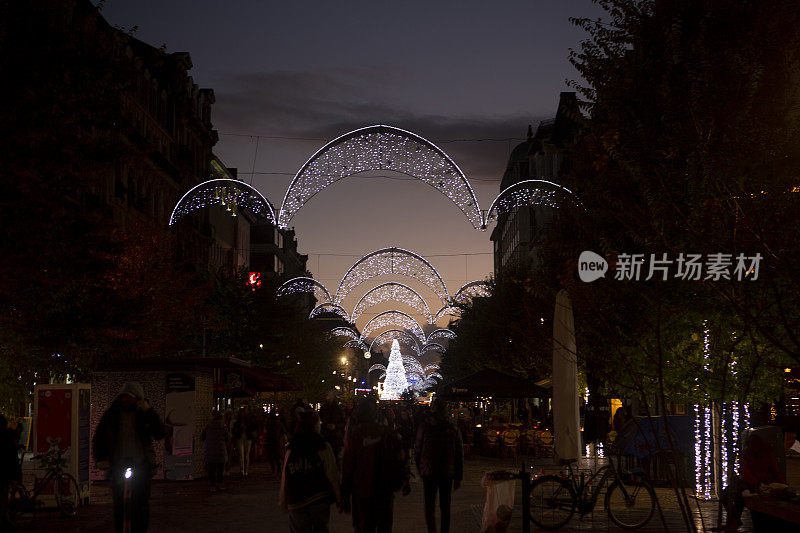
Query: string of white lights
{"type": "Point", "coordinates": [357, 343]}
{"type": "Point", "coordinates": [528, 193]}
{"type": "Point", "coordinates": [304, 284]}
{"type": "Point", "coordinates": [433, 347]}
{"type": "Point", "coordinates": [394, 292]}
{"type": "Point", "coordinates": [441, 333]}
{"type": "Point", "coordinates": [229, 193]}
{"type": "Point", "coordinates": [478, 288]}
{"type": "Point", "coordinates": [446, 310]}
{"type": "Point", "coordinates": [393, 318]}
{"type": "Point", "coordinates": [391, 261]}
{"type": "Point", "coordinates": [380, 147]}
{"type": "Point", "coordinates": [343, 331]}
{"type": "Point", "coordinates": [404, 337]}
{"type": "Point", "coordinates": [329, 308]}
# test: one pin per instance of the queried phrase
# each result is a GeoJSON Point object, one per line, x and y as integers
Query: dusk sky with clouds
{"type": "Point", "coordinates": [290, 76]}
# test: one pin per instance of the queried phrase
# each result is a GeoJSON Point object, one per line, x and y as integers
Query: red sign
{"type": "Point", "coordinates": [53, 419]}
{"type": "Point", "coordinates": [254, 280]}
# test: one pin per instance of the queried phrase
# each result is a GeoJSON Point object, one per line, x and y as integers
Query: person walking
{"type": "Point", "coordinates": [244, 434]}
{"type": "Point", "coordinates": [439, 455]}
{"type": "Point", "coordinates": [123, 441]}
{"type": "Point", "coordinates": [374, 466]}
{"type": "Point", "coordinates": [275, 432]}
{"type": "Point", "coordinates": [227, 419]}
{"type": "Point", "coordinates": [309, 481]}
{"type": "Point", "coordinates": [215, 436]}
{"type": "Point", "coordinates": [332, 419]}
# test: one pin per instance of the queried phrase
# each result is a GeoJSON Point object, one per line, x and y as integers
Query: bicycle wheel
{"type": "Point", "coordinates": [68, 495]}
{"type": "Point", "coordinates": [552, 502]}
{"type": "Point", "coordinates": [630, 505]}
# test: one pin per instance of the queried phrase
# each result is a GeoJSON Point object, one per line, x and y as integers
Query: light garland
{"type": "Point", "coordinates": [359, 344]}
{"type": "Point", "coordinates": [528, 193]}
{"type": "Point", "coordinates": [478, 288]}
{"type": "Point", "coordinates": [392, 261]}
{"type": "Point", "coordinates": [305, 284]}
{"type": "Point", "coordinates": [393, 318]}
{"type": "Point", "coordinates": [433, 347]}
{"type": "Point", "coordinates": [394, 292]}
{"type": "Point", "coordinates": [229, 193]}
{"type": "Point", "coordinates": [343, 331]}
{"type": "Point", "coordinates": [441, 333]}
{"type": "Point", "coordinates": [412, 364]}
{"type": "Point", "coordinates": [376, 367]}
{"type": "Point", "coordinates": [329, 308]}
{"type": "Point", "coordinates": [431, 367]}
{"type": "Point", "coordinates": [380, 147]}
{"type": "Point", "coordinates": [406, 338]}
{"type": "Point", "coordinates": [702, 451]}
{"type": "Point", "coordinates": [446, 310]}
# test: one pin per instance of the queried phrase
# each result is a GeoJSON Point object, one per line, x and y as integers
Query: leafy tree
{"type": "Point", "coordinates": [510, 331]}
{"type": "Point", "coordinates": [255, 325]}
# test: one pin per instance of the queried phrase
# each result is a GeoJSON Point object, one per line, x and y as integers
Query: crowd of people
{"type": "Point", "coordinates": [356, 457]}
{"type": "Point", "coordinates": [376, 445]}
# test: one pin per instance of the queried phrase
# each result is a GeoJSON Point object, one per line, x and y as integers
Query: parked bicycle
{"type": "Point", "coordinates": [62, 484]}
{"type": "Point", "coordinates": [630, 500]}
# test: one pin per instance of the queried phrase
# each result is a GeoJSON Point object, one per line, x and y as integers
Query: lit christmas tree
{"type": "Point", "coordinates": [395, 383]}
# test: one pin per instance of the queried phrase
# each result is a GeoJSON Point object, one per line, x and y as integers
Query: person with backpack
{"type": "Point", "coordinates": [310, 478]}
{"type": "Point", "coordinates": [439, 455]}
{"type": "Point", "coordinates": [374, 467]}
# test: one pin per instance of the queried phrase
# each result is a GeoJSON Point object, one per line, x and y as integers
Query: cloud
{"type": "Point", "coordinates": [327, 103]}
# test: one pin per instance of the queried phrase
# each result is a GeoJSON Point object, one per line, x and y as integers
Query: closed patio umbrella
{"type": "Point", "coordinates": [566, 417]}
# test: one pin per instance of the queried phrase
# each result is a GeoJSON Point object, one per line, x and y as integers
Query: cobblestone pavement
{"type": "Point", "coordinates": [249, 505]}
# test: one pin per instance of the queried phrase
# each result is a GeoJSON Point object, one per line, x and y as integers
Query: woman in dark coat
{"type": "Point", "coordinates": [216, 438]}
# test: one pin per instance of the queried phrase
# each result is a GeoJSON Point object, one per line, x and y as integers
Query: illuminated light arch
{"type": "Point", "coordinates": [431, 367]}
{"type": "Point", "coordinates": [393, 318]}
{"type": "Point", "coordinates": [376, 367]}
{"type": "Point", "coordinates": [411, 364]}
{"type": "Point", "coordinates": [391, 261]}
{"type": "Point", "coordinates": [343, 331]}
{"type": "Point", "coordinates": [380, 147]}
{"type": "Point", "coordinates": [392, 292]}
{"type": "Point", "coordinates": [433, 347]}
{"type": "Point", "coordinates": [435, 375]}
{"type": "Point", "coordinates": [304, 284]}
{"type": "Point", "coordinates": [442, 333]}
{"type": "Point", "coordinates": [446, 310]}
{"type": "Point", "coordinates": [528, 193]}
{"type": "Point", "coordinates": [403, 337]}
{"type": "Point", "coordinates": [329, 308]}
{"type": "Point", "coordinates": [227, 192]}
{"type": "Point", "coordinates": [356, 343]}
{"type": "Point", "coordinates": [468, 291]}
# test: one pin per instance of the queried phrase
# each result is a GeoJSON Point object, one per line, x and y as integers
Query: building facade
{"type": "Point", "coordinates": [544, 155]}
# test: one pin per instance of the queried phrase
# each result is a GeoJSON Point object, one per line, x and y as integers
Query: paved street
{"type": "Point", "coordinates": [249, 505]}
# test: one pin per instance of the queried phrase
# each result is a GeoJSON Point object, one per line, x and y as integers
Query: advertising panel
{"type": "Point", "coordinates": [179, 420]}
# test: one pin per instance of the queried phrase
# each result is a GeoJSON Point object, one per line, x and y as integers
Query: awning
{"type": "Point", "coordinates": [489, 383]}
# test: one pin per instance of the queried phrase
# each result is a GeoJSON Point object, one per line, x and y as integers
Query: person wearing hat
{"type": "Point", "coordinates": [124, 440]}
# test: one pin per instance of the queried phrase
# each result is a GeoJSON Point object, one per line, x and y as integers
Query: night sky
{"type": "Point", "coordinates": [290, 76]}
